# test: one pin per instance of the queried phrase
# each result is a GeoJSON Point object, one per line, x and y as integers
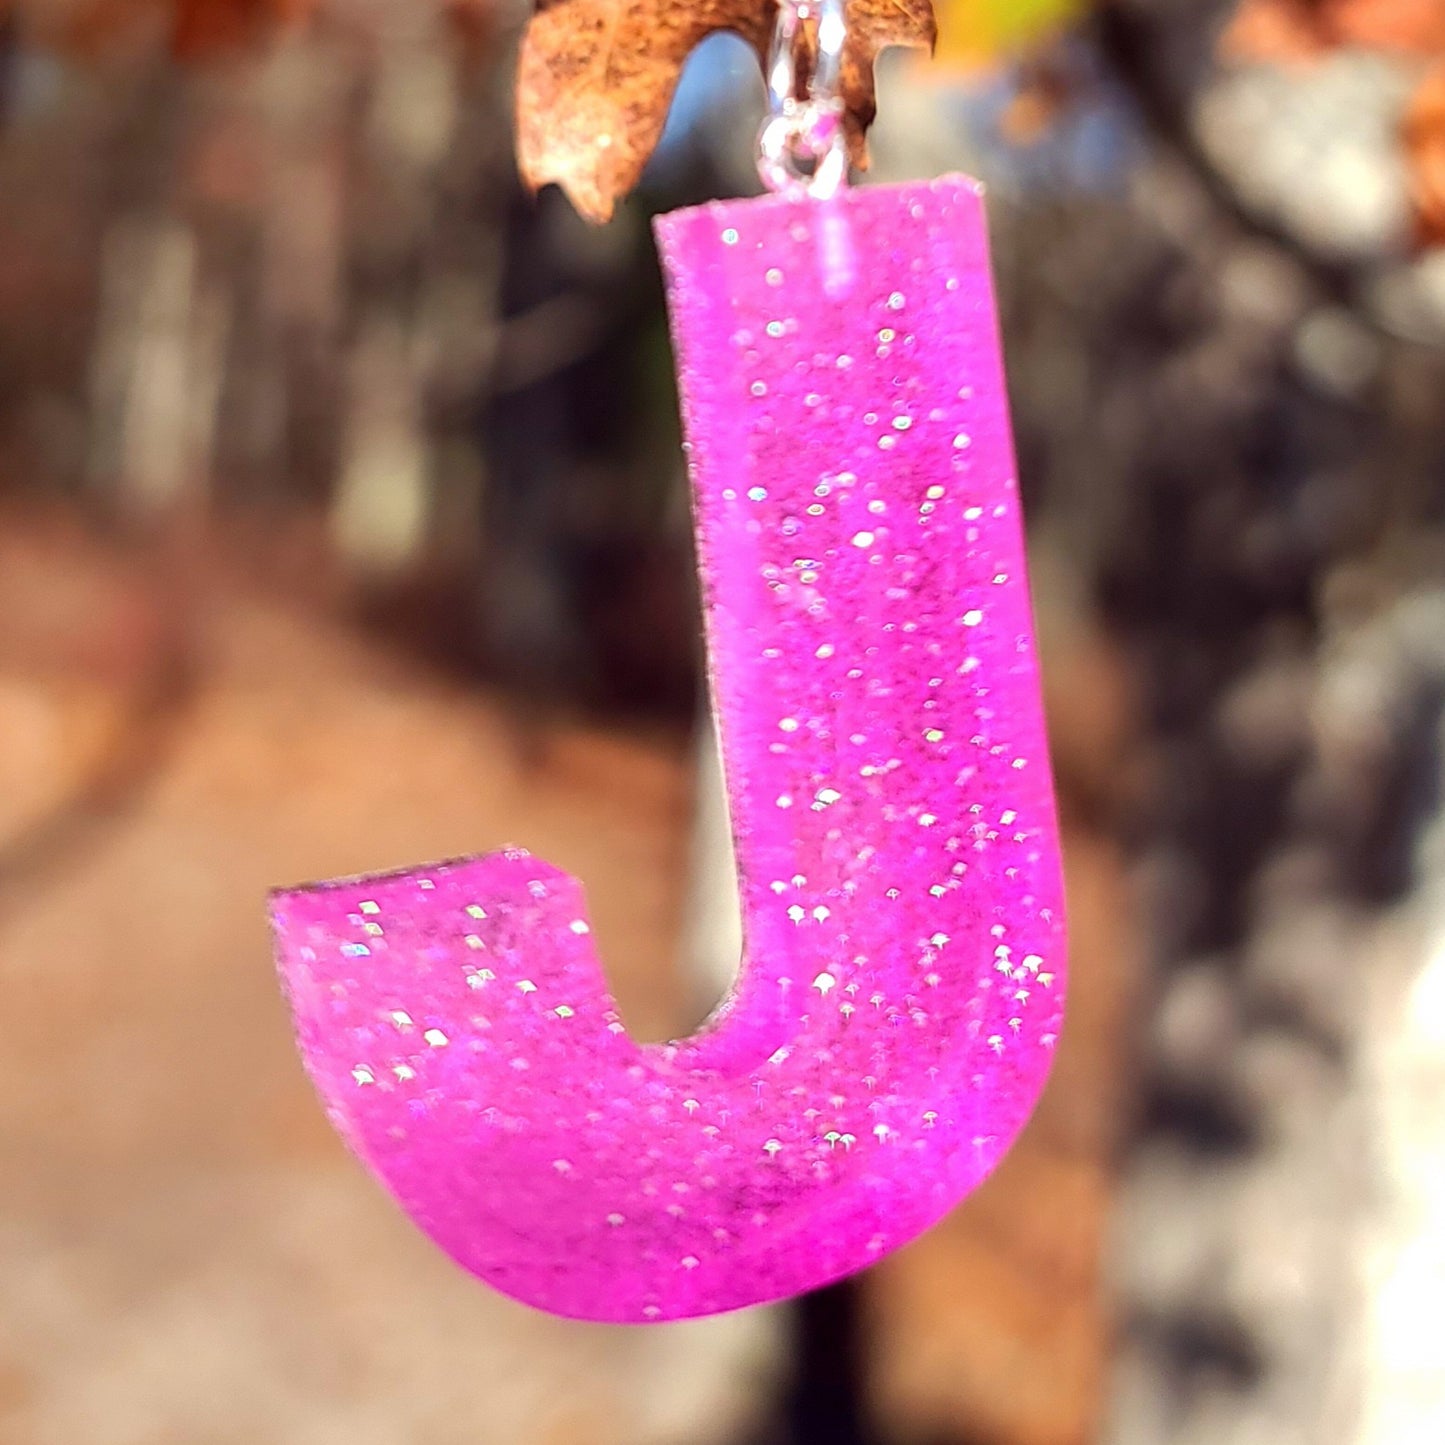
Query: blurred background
{"type": "Point", "coordinates": [342, 526]}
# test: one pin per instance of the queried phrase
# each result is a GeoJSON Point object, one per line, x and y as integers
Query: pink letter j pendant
{"type": "Point", "coordinates": [874, 675]}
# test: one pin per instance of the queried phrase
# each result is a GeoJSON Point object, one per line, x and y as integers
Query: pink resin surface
{"type": "Point", "coordinates": [873, 667]}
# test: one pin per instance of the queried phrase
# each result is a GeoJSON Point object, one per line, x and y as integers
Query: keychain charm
{"type": "Point", "coordinates": [873, 669]}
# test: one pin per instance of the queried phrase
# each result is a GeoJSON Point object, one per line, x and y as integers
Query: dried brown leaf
{"type": "Point", "coordinates": [1425, 147]}
{"type": "Point", "coordinates": [211, 30]}
{"type": "Point", "coordinates": [1410, 26]}
{"type": "Point", "coordinates": [596, 78]}
{"type": "Point", "coordinates": [1276, 31]}
{"type": "Point", "coordinates": [203, 28]}
{"type": "Point", "coordinates": [1284, 30]}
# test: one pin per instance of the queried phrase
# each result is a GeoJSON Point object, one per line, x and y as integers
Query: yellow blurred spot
{"type": "Point", "coordinates": [975, 32]}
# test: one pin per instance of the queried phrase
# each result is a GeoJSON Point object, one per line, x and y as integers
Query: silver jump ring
{"type": "Point", "coordinates": [782, 58]}
{"type": "Point", "coordinates": [802, 149]}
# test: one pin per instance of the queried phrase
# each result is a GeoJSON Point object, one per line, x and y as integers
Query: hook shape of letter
{"type": "Point", "coordinates": [874, 674]}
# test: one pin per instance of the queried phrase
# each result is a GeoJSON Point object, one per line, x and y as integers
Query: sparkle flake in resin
{"type": "Point", "coordinates": [873, 668]}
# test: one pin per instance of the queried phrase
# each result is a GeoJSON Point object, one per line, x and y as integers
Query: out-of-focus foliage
{"type": "Point", "coordinates": [1292, 29]}
{"type": "Point", "coordinates": [1425, 144]}
{"type": "Point", "coordinates": [212, 29]}
{"type": "Point", "coordinates": [1300, 31]}
{"type": "Point", "coordinates": [978, 32]}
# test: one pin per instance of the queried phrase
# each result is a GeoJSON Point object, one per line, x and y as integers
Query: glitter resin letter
{"type": "Point", "coordinates": [874, 674]}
